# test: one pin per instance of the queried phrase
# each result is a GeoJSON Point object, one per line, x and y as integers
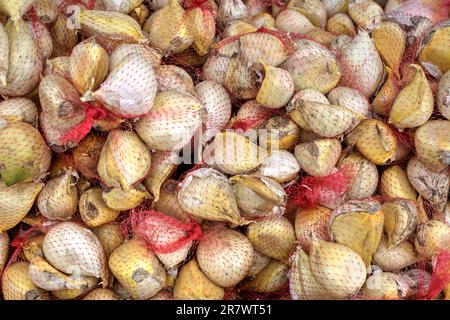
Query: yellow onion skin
{"type": "Point", "coordinates": [341, 23]}
{"type": "Point", "coordinates": [314, 10]}
{"type": "Point", "coordinates": [121, 200]}
{"type": "Point", "coordinates": [64, 38]}
{"type": "Point", "coordinates": [72, 294]}
{"type": "Point", "coordinates": [432, 142]}
{"type": "Point", "coordinates": [25, 63]}
{"type": "Point", "coordinates": [339, 269]}
{"type": "Point", "coordinates": [110, 236]}
{"type": "Point", "coordinates": [17, 285]}
{"type": "Point", "coordinates": [202, 25]}
{"type": "Point", "coordinates": [168, 28]}
{"type": "Point", "coordinates": [233, 153]}
{"type": "Point", "coordinates": [419, 98]}
{"type": "Point", "coordinates": [93, 210]}
{"type": "Point", "coordinates": [4, 57]}
{"type": "Point", "coordinates": [434, 47]}
{"type": "Point", "coordinates": [110, 28]}
{"type": "Point", "coordinates": [101, 294]}
{"type": "Point", "coordinates": [138, 269]}
{"type": "Point", "coordinates": [24, 156]}
{"type": "Point", "coordinates": [216, 204]}
{"type": "Point", "coordinates": [124, 160]}
{"type": "Point", "coordinates": [192, 284]}
{"type": "Point", "coordinates": [395, 258]}
{"type": "Point", "coordinates": [89, 64]}
{"type": "Point", "coordinates": [163, 166]}
{"type": "Point", "coordinates": [19, 109]}
{"type": "Point", "coordinates": [431, 237]}
{"type": "Point", "coordinates": [257, 47]}
{"type": "Point", "coordinates": [16, 8]}
{"type": "Point", "coordinates": [335, 6]}
{"type": "Point", "coordinates": [302, 283]}
{"type": "Point", "coordinates": [270, 279]}
{"type": "Point", "coordinates": [15, 202]}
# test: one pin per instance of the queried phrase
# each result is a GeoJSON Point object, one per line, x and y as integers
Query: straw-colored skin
{"type": "Point", "coordinates": [15, 202]}
{"type": "Point", "coordinates": [17, 285]}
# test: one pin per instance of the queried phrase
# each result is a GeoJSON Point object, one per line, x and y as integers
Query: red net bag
{"type": "Point", "coordinates": [168, 237]}
{"type": "Point", "coordinates": [310, 191]}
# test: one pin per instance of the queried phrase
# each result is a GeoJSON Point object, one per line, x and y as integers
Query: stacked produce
{"type": "Point", "coordinates": [224, 149]}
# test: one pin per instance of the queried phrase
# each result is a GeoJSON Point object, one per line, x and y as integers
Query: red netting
{"type": "Point", "coordinates": [162, 233]}
{"type": "Point", "coordinates": [310, 191]}
{"type": "Point", "coordinates": [77, 133]}
{"type": "Point", "coordinates": [440, 278]}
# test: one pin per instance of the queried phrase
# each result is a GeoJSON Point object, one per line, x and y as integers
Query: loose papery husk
{"type": "Point", "coordinates": [400, 220]}
{"type": "Point", "coordinates": [259, 196]}
{"type": "Point", "coordinates": [433, 186]}
{"type": "Point", "coordinates": [89, 64]}
{"type": "Point", "coordinates": [385, 97]}
{"type": "Point", "coordinates": [163, 165]}
{"type": "Point", "coordinates": [359, 226]}
{"type": "Point", "coordinates": [64, 38]}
